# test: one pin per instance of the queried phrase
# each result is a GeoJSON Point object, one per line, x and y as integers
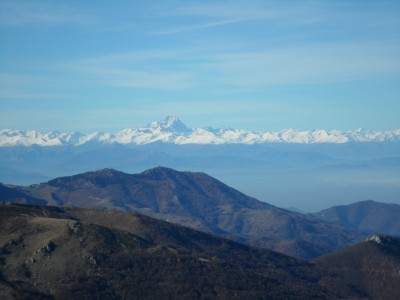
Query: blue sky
{"type": "Point", "coordinates": [258, 65]}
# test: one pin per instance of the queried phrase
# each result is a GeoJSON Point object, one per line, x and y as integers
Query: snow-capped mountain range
{"type": "Point", "coordinates": [172, 130]}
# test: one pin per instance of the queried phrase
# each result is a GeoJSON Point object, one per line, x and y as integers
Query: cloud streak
{"type": "Point", "coordinates": [196, 27]}
{"type": "Point", "coordinates": [183, 69]}
{"type": "Point", "coordinates": [317, 63]}
{"type": "Point", "coordinates": [24, 13]}
{"type": "Point", "coordinates": [198, 16]}
{"type": "Point", "coordinates": [223, 70]}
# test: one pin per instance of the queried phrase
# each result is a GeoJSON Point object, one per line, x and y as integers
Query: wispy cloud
{"type": "Point", "coordinates": [226, 70]}
{"type": "Point", "coordinates": [197, 16]}
{"type": "Point", "coordinates": [21, 86]}
{"type": "Point", "coordinates": [316, 63]}
{"type": "Point", "coordinates": [240, 10]}
{"type": "Point", "coordinates": [191, 68]}
{"type": "Point", "coordinates": [151, 70]}
{"type": "Point", "coordinates": [191, 27]}
{"type": "Point", "coordinates": [21, 13]}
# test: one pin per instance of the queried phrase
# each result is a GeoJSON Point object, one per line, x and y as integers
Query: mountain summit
{"type": "Point", "coordinates": [170, 123]}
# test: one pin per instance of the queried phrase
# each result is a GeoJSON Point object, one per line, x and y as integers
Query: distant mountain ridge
{"type": "Point", "coordinates": [367, 216]}
{"type": "Point", "coordinates": [196, 200]}
{"type": "Point", "coordinates": [172, 130]}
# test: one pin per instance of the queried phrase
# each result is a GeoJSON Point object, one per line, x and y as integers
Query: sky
{"type": "Point", "coordinates": [256, 65]}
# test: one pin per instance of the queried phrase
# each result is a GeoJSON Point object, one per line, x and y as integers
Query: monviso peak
{"type": "Point", "coordinates": [170, 123]}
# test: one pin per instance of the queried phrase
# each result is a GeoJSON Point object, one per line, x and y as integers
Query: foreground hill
{"type": "Point", "coordinates": [198, 201]}
{"type": "Point", "coordinates": [370, 270]}
{"type": "Point", "coordinates": [70, 253]}
{"type": "Point", "coordinates": [368, 216]}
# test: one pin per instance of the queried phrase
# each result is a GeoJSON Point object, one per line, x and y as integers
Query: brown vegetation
{"type": "Point", "coordinates": [370, 269]}
{"type": "Point", "coordinates": [49, 252]}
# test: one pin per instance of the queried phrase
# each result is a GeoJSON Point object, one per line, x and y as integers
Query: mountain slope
{"type": "Point", "coordinates": [72, 253]}
{"type": "Point", "coordinates": [9, 194]}
{"type": "Point", "coordinates": [370, 270]}
{"type": "Point", "coordinates": [51, 252]}
{"type": "Point", "coordinates": [172, 130]}
{"type": "Point", "coordinates": [198, 201]}
{"type": "Point", "coordinates": [368, 216]}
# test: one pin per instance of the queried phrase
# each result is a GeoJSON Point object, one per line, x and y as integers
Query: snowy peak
{"type": "Point", "coordinates": [172, 130]}
{"type": "Point", "coordinates": [171, 124]}
{"type": "Point", "coordinates": [13, 137]}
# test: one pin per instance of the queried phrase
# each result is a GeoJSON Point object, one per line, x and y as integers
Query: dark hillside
{"type": "Point", "coordinates": [198, 201]}
{"type": "Point", "coordinates": [52, 253]}
{"type": "Point", "coordinates": [13, 195]}
{"type": "Point", "coordinates": [370, 270]}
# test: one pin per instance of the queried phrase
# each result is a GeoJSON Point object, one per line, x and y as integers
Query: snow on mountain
{"type": "Point", "coordinates": [169, 124]}
{"type": "Point", "coordinates": [13, 137]}
{"type": "Point", "coordinates": [172, 130]}
{"type": "Point", "coordinates": [95, 137]}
